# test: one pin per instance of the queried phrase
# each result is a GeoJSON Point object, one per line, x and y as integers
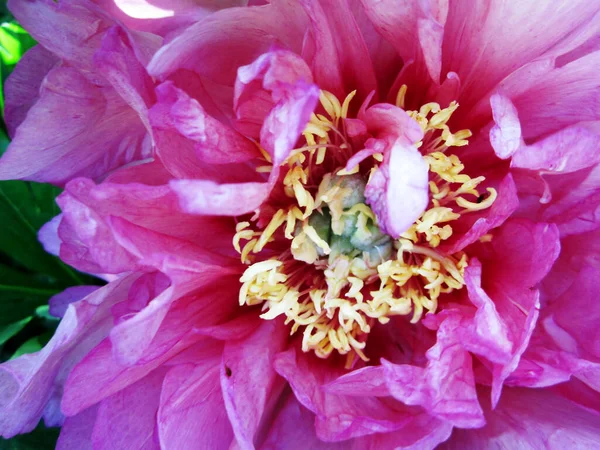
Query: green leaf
{"type": "Point", "coordinates": [24, 208]}
{"type": "Point", "coordinates": [21, 293]}
{"type": "Point", "coordinates": [14, 41]}
{"type": "Point", "coordinates": [41, 438]}
{"type": "Point", "coordinates": [11, 330]}
{"type": "Point", "coordinates": [31, 346]}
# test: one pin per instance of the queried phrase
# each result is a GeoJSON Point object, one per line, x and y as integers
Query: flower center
{"type": "Point", "coordinates": [316, 254]}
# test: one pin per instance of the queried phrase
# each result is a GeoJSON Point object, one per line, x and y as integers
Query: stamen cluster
{"type": "Point", "coordinates": [321, 260]}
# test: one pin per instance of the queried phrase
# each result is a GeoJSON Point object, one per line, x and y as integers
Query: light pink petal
{"type": "Point", "coordinates": [483, 55]}
{"type": "Point", "coordinates": [340, 59]}
{"type": "Point", "coordinates": [369, 380]}
{"type": "Point", "coordinates": [398, 191]}
{"type": "Point", "coordinates": [29, 382]}
{"type": "Point", "coordinates": [209, 198]}
{"type": "Point", "coordinates": [286, 80]}
{"type": "Point", "coordinates": [23, 85]}
{"type": "Point", "coordinates": [533, 418]}
{"type": "Point", "coordinates": [75, 128]}
{"type": "Point", "coordinates": [48, 235]}
{"type": "Point", "coordinates": [76, 433]}
{"type": "Point", "coordinates": [505, 135]}
{"type": "Point", "coordinates": [445, 388]}
{"type": "Point", "coordinates": [415, 29]}
{"type": "Point", "coordinates": [60, 302]}
{"type": "Point", "coordinates": [127, 419]}
{"type": "Point", "coordinates": [191, 408]}
{"type": "Point", "coordinates": [338, 417]}
{"type": "Point", "coordinates": [248, 379]}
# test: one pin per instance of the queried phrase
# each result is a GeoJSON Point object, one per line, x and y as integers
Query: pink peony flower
{"type": "Point", "coordinates": [355, 224]}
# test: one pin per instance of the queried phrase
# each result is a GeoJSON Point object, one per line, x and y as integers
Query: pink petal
{"type": "Point", "coordinates": [423, 433]}
{"type": "Point", "coordinates": [340, 60]}
{"type": "Point", "coordinates": [192, 144]}
{"type": "Point", "coordinates": [294, 424]}
{"type": "Point", "coordinates": [287, 80]}
{"type": "Point", "coordinates": [445, 387]}
{"type": "Point", "coordinates": [415, 29]}
{"type": "Point", "coordinates": [473, 226]}
{"type": "Point", "coordinates": [512, 283]}
{"type": "Point", "coordinates": [217, 46]}
{"type": "Point", "coordinates": [339, 417]}
{"type": "Point", "coordinates": [248, 380]}
{"type": "Point", "coordinates": [483, 55]}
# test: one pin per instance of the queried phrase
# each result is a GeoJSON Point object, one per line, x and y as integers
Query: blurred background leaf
{"type": "Point", "coordinates": [28, 275]}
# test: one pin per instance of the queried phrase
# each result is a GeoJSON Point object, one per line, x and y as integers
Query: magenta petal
{"type": "Point", "coordinates": [445, 387]}
{"type": "Point", "coordinates": [23, 85]}
{"type": "Point", "coordinates": [248, 380]}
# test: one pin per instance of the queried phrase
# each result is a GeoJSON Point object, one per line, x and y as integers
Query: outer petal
{"type": "Point", "coordinates": [76, 433]}
{"type": "Point", "coordinates": [127, 419]}
{"type": "Point", "coordinates": [76, 128]}
{"type": "Point", "coordinates": [192, 413]}
{"type": "Point", "coordinates": [535, 419]}
{"type": "Point", "coordinates": [29, 381]}
{"type": "Point", "coordinates": [483, 55]}
{"type": "Point", "coordinates": [23, 85]}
